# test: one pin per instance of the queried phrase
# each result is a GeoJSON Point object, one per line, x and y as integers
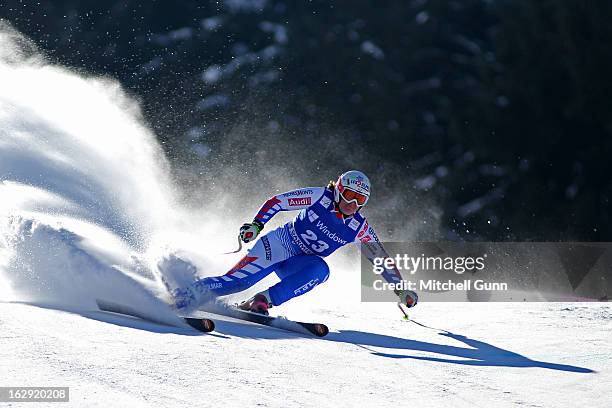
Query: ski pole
{"type": "Point", "coordinates": [406, 317]}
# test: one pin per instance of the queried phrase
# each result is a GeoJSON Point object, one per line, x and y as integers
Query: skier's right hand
{"type": "Point", "coordinates": [249, 231]}
{"type": "Point", "coordinates": [407, 297]}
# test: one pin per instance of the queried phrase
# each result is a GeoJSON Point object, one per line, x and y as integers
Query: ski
{"type": "Point", "coordinates": [201, 324]}
{"type": "Point", "coordinates": [317, 329]}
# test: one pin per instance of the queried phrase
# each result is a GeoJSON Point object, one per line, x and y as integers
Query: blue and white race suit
{"type": "Point", "coordinates": [295, 251]}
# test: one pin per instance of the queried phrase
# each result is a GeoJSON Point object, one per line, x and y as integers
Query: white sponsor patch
{"type": "Point", "coordinates": [325, 202]}
{"type": "Point", "coordinates": [354, 224]}
{"type": "Point", "coordinates": [312, 215]}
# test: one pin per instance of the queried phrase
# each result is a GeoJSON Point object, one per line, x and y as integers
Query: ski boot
{"type": "Point", "coordinates": [257, 304]}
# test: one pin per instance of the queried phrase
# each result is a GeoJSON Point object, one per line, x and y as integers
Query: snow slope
{"type": "Point", "coordinates": [502, 355]}
{"type": "Point", "coordinates": [88, 211]}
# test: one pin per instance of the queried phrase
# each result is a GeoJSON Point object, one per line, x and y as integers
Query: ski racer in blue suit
{"type": "Point", "coordinates": [329, 218]}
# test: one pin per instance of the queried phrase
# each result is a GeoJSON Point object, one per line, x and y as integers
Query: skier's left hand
{"type": "Point", "coordinates": [408, 297]}
{"type": "Point", "coordinates": [249, 231]}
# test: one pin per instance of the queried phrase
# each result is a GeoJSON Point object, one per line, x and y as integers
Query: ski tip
{"type": "Point", "coordinates": [318, 329]}
{"type": "Point", "coordinates": [321, 330]}
{"type": "Point", "coordinates": [203, 325]}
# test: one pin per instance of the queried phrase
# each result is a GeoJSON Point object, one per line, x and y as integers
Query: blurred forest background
{"type": "Point", "coordinates": [490, 119]}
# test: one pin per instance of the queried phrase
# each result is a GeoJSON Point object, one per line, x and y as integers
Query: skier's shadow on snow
{"type": "Point", "coordinates": [480, 353]}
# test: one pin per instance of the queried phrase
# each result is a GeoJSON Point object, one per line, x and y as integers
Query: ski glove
{"type": "Point", "coordinates": [408, 297]}
{"type": "Point", "coordinates": [249, 231]}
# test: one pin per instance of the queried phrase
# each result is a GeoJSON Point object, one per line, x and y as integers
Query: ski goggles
{"type": "Point", "coordinates": [351, 196]}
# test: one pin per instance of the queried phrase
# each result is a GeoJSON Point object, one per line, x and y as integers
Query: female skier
{"type": "Point", "coordinates": [329, 219]}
